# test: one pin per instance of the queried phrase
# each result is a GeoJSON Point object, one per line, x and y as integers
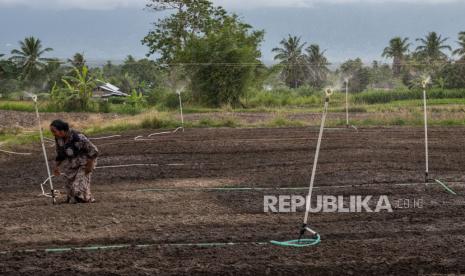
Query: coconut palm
{"type": "Point", "coordinates": [432, 47]}
{"type": "Point", "coordinates": [461, 51]}
{"type": "Point", "coordinates": [293, 61]}
{"type": "Point", "coordinates": [28, 57]}
{"type": "Point", "coordinates": [397, 50]}
{"type": "Point", "coordinates": [1, 66]}
{"type": "Point", "coordinates": [78, 61]}
{"type": "Point", "coordinates": [317, 64]}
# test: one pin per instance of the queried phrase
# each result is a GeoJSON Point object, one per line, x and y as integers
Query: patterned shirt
{"type": "Point", "coordinates": [77, 150]}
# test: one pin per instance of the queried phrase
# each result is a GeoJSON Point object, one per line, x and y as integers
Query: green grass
{"type": "Point", "coordinates": [398, 110]}
{"type": "Point", "coordinates": [376, 96]}
{"type": "Point", "coordinates": [209, 122]}
{"type": "Point", "coordinates": [399, 121]}
{"type": "Point", "coordinates": [19, 106]}
{"type": "Point", "coordinates": [11, 138]}
{"type": "Point", "coordinates": [44, 106]}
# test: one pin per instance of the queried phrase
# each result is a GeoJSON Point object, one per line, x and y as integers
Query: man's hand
{"type": "Point", "coordinates": [89, 166]}
{"type": "Point", "coordinates": [56, 171]}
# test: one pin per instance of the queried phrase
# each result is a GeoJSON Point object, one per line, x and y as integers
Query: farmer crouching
{"type": "Point", "coordinates": [77, 157]}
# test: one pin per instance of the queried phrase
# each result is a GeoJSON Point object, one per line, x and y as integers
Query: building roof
{"type": "Point", "coordinates": [112, 90]}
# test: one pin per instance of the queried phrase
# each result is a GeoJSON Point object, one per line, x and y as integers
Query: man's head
{"type": "Point", "coordinates": [59, 128]}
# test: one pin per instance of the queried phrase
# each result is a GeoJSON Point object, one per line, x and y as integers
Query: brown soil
{"type": "Point", "coordinates": [427, 240]}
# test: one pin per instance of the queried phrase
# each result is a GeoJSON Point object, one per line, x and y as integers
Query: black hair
{"type": "Point", "coordinates": [60, 125]}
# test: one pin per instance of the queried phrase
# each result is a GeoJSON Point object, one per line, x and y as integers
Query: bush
{"type": "Point", "coordinates": [156, 122]}
{"type": "Point", "coordinates": [171, 101]}
{"type": "Point", "coordinates": [284, 97]}
{"type": "Point", "coordinates": [10, 87]}
{"type": "Point", "coordinates": [376, 96]}
{"type": "Point", "coordinates": [156, 95]}
{"type": "Point", "coordinates": [223, 122]}
{"type": "Point", "coordinates": [104, 106]}
{"type": "Point", "coordinates": [116, 100]}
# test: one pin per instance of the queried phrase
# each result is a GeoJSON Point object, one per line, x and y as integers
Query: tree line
{"type": "Point", "coordinates": [214, 56]}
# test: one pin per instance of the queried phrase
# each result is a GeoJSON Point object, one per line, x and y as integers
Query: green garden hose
{"type": "Point", "coordinates": [298, 243]}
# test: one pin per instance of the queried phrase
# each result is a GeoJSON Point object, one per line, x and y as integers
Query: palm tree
{"type": "Point", "coordinates": [78, 61]}
{"type": "Point", "coordinates": [432, 47]}
{"type": "Point", "coordinates": [292, 60]}
{"type": "Point", "coordinates": [1, 66]}
{"type": "Point", "coordinates": [397, 50]}
{"type": "Point", "coordinates": [461, 51]}
{"type": "Point", "coordinates": [318, 65]}
{"type": "Point", "coordinates": [29, 57]}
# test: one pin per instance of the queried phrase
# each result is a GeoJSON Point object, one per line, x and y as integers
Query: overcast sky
{"type": "Point", "coordinates": [112, 29]}
{"type": "Point", "coordinates": [242, 4]}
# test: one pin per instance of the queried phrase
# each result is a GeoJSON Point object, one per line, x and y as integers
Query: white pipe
{"type": "Point", "coordinates": [42, 188]}
{"type": "Point", "coordinates": [17, 153]}
{"type": "Point", "coordinates": [106, 137]}
{"type": "Point", "coordinates": [155, 134]}
{"type": "Point", "coordinates": [426, 133]}
{"type": "Point", "coordinates": [180, 108]}
{"type": "Point", "coordinates": [317, 152]}
{"type": "Point", "coordinates": [52, 191]}
{"type": "Point", "coordinates": [125, 166]}
{"type": "Point", "coordinates": [347, 102]}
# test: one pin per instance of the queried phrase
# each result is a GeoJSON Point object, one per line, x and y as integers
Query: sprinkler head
{"type": "Point", "coordinates": [328, 92]}
{"type": "Point", "coordinates": [426, 81]}
{"type": "Point", "coordinates": [32, 96]}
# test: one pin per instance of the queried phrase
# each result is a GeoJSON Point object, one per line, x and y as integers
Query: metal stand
{"type": "Point", "coordinates": [305, 227]}
{"type": "Point", "coordinates": [52, 191]}
{"type": "Point", "coordinates": [424, 84]}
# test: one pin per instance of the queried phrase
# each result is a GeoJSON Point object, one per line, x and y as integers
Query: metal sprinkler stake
{"type": "Point", "coordinates": [346, 80]}
{"type": "Point", "coordinates": [305, 228]}
{"type": "Point", "coordinates": [180, 108]}
{"type": "Point", "coordinates": [424, 83]}
{"type": "Point", "coordinates": [52, 191]}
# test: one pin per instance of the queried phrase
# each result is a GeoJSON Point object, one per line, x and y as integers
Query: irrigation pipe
{"type": "Point", "coordinates": [106, 137]}
{"type": "Point", "coordinates": [424, 84]}
{"type": "Point", "coordinates": [346, 81]}
{"type": "Point", "coordinates": [144, 139]}
{"type": "Point", "coordinates": [49, 179]}
{"type": "Point", "coordinates": [180, 108]}
{"type": "Point", "coordinates": [15, 153]}
{"type": "Point", "coordinates": [273, 188]}
{"type": "Point", "coordinates": [305, 228]}
{"type": "Point", "coordinates": [52, 191]}
{"type": "Point", "coordinates": [124, 246]}
{"type": "Point", "coordinates": [448, 189]}
{"type": "Point", "coordinates": [141, 138]}
{"type": "Point", "coordinates": [347, 101]}
{"type": "Point", "coordinates": [166, 132]}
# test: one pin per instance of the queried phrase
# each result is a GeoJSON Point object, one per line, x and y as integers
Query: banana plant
{"type": "Point", "coordinates": [81, 85]}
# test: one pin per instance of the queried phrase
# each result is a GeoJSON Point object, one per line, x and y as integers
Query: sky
{"type": "Point", "coordinates": [233, 4]}
{"type": "Point", "coordinates": [112, 29]}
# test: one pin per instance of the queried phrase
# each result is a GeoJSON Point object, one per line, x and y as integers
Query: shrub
{"type": "Point", "coordinates": [376, 96]}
